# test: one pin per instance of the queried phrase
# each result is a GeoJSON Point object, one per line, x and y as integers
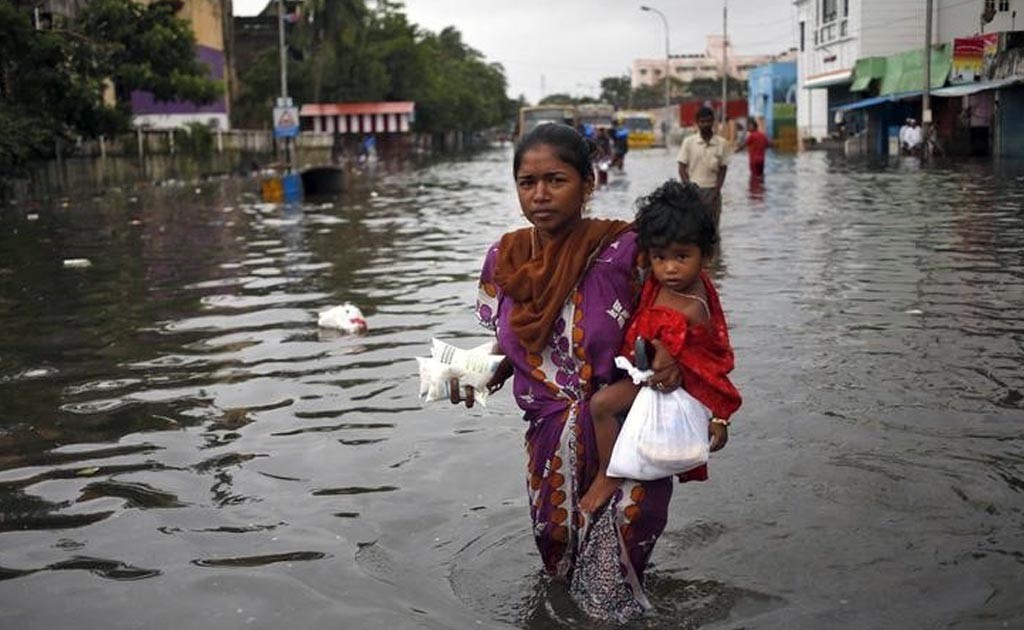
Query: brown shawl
{"type": "Point", "coordinates": [540, 280]}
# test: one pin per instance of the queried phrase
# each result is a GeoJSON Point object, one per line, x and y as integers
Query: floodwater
{"type": "Point", "coordinates": [181, 446]}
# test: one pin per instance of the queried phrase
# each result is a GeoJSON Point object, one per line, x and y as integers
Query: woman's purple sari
{"type": "Point", "coordinates": [553, 389]}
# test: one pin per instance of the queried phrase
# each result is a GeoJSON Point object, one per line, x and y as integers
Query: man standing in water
{"type": "Point", "coordinates": [703, 160]}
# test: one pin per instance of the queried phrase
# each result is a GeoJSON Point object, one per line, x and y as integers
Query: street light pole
{"type": "Point", "coordinates": [725, 60]}
{"type": "Point", "coordinates": [668, 66]}
{"type": "Point", "coordinates": [282, 50]}
{"type": "Point", "coordinates": [926, 107]}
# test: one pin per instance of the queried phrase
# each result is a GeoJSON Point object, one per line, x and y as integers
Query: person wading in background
{"type": "Point", "coordinates": [703, 159]}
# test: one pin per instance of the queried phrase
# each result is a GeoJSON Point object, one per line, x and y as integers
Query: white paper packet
{"type": "Point", "coordinates": [474, 368]}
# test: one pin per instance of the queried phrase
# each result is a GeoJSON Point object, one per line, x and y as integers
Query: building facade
{"type": "Point", "coordinates": [771, 100]}
{"type": "Point", "coordinates": [689, 67]}
{"type": "Point", "coordinates": [834, 34]}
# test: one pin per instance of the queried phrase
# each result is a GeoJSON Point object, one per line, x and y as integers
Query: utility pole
{"type": "Point", "coordinates": [284, 78]}
{"type": "Point", "coordinates": [668, 69]}
{"type": "Point", "coordinates": [725, 60]}
{"type": "Point", "coordinates": [926, 106]}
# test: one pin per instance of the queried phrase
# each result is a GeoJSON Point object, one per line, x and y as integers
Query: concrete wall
{"type": "Point", "coordinates": [886, 27]}
{"type": "Point", "coordinates": [955, 18]}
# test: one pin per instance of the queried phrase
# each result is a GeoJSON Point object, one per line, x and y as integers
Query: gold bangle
{"type": "Point", "coordinates": [721, 421]}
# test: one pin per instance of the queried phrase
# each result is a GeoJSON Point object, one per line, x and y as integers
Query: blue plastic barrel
{"type": "Point", "coordinates": [292, 184]}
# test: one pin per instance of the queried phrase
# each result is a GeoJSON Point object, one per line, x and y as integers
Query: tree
{"type": "Point", "coordinates": [352, 53]}
{"type": "Point", "coordinates": [616, 90]}
{"type": "Point", "coordinates": [558, 99]}
{"type": "Point", "coordinates": [145, 47]}
{"type": "Point", "coordinates": [52, 81]}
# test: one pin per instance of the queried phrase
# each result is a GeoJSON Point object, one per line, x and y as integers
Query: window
{"type": "Point", "coordinates": [828, 11]}
{"type": "Point", "coordinates": [801, 36]}
{"type": "Point", "coordinates": [1004, 5]}
{"type": "Point", "coordinates": [832, 26]}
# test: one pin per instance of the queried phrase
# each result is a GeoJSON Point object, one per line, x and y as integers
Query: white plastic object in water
{"type": "Point", "coordinates": [346, 318]}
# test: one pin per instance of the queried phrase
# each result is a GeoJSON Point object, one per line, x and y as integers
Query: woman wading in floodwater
{"type": "Point", "coordinates": [558, 295]}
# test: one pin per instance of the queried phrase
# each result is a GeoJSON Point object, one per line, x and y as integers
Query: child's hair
{"type": "Point", "coordinates": [675, 213]}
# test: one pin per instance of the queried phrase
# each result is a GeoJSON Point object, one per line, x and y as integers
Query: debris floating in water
{"type": "Point", "coordinates": [77, 263]}
{"type": "Point", "coordinates": [914, 311]}
{"type": "Point", "coordinates": [347, 318]}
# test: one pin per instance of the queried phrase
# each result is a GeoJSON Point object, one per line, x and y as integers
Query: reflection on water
{"type": "Point", "coordinates": [175, 429]}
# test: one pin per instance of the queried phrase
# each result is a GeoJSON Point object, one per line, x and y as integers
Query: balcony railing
{"type": "Point", "coordinates": [832, 32]}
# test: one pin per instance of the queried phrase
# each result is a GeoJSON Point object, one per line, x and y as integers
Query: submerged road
{"type": "Point", "coordinates": [180, 445]}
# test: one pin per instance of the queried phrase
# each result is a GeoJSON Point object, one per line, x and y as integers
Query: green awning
{"type": "Point", "coordinates": [867, 70]}
{"type": "Point", "coordinates": [904, 72]}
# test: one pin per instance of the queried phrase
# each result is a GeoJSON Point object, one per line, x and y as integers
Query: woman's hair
{"type": "Point", "coordinates": [569, 146]}
{"type": "Point", "coordinates": [675, 213]}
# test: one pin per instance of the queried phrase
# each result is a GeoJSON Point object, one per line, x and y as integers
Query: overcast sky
{"type": "Point", "coordinates": [549, 46]}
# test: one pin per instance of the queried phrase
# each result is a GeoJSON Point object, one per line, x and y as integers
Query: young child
{"type": "Point", "coordinates": [679, 307]}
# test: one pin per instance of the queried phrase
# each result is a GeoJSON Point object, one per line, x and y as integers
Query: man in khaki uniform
{"type": "Point", "coordinates": [703, 160]}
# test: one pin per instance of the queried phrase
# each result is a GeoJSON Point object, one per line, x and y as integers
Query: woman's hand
{"type": "Point", "coordinates": [719, 435]}
{"type": "Point", "coordinates": [497, 382]}
{"type": "Point", "coordinates": [500, 376]}
{"type": "Point", "coordinates": [666, 371]}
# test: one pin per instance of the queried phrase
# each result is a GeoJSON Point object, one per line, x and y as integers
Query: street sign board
{"type": "Point", "coordinates": [286, 122]}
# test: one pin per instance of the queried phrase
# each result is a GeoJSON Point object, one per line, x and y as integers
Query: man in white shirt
{"type": "Point", "coordinates": [913, 139]}
{"type": "Point", "coordinates": [903, 136]}
{"type": "Point", "coordinates": [703, 159]}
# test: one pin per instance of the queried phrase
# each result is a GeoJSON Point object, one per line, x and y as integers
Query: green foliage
{"type": "Point", "coordinates": [52, 81]}
{"type": "Point", "coordinates": [558, 99]}
{"type": "Point", "coordinates": [145, 47]}
{"type": "Point", "coordinates": [47, 91]}
{"type": "Point", "coordinates": [616, 90]}
{"type": "Point", "coordinates": [197, 140]}
{"type": "Point", "coordinates": [259, 85]}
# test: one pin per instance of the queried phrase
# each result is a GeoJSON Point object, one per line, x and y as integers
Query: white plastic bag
{"type": "Point", "coordinates": [434, 377]}
{"type": "Point", "coordinates": [474, 368]}
{"type": "Point", "coordinates": [665, 433]}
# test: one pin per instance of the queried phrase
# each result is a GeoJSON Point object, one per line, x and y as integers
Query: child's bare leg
{"type": "Point", "coordinates": [605, 407]}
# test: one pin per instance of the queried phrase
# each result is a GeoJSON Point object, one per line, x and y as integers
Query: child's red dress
{"type": "Point", "coordinates": [703, 352]}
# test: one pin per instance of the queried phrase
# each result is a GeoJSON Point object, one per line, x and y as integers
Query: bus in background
{"type": "Point", "coordinates": [530, 117]}
{"type": "Point", "coordinates": [594, 116]}
{"type": "Point", "coordinates": [640, 126]}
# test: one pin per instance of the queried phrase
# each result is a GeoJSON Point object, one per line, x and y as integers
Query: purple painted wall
{"type": "Point", "coordinates": [145, 103]}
